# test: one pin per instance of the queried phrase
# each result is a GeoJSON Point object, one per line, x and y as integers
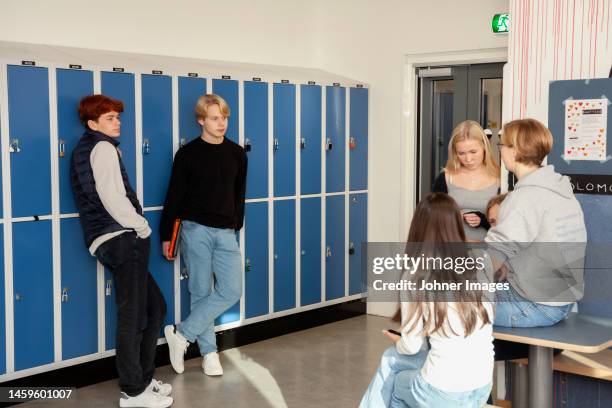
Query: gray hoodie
{"type": "Point", "coordinates": [542, 236]}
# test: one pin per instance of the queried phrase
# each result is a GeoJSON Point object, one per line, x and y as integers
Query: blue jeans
{"type": "Point", "coordinates": [411, 390]}
{"type": "Point", "coordinates": [513, 310]}
{"type": "Point", "coordinates": [209, 251]}
{"type": "Point", "coordinates": [380, 390]}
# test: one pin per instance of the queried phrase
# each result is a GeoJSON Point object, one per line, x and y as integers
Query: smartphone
{"type": "Point", "coordinates": [394, 332]}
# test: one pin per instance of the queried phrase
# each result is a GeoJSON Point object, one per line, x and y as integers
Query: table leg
{"type": "Point", "coordinates": [540, 377]}
{"type": "Point", "coordinates": [520, 386]}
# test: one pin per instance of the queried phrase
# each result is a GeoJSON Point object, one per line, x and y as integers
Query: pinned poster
{"type": "Point", "coordinates": [586, 129]}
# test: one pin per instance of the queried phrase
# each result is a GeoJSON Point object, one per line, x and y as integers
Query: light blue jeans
{"type": "Point", "coordinates": [398, 383]}
{"type": "Point", "coordinates": [513, 310]}
{"type": "Point", "coordinates": [209, 252]}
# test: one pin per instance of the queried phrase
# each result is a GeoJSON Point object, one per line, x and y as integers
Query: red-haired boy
{"type": "Point", "coordinates": [117, 234]}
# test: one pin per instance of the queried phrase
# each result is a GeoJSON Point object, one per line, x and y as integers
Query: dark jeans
{"type": "Point", "coordinates": [141, 309]}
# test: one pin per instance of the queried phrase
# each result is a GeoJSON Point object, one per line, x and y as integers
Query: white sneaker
{"type": "Point", "coordinates": [160, 388]}
{"type": "Point", "coordinates": [146, 399]}
{"type": "Point", "coordinates": [177, 347]}
{"type": "Point", "coordinates": [211, 364]}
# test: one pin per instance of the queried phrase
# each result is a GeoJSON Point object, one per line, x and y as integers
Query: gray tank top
{"type": "Point", "coordinates": [473, 200]}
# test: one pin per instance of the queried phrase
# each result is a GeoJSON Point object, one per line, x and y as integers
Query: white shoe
{"type": "Point", "coordinates": [177, 347]}
{"type": "Point", "coordinates": [211, 364]}
{"type": "Point", "coordinates": [160, 388]}
{"type": "Point", "coordinates": [146, 399]}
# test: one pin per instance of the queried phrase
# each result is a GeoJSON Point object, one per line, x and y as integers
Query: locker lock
{"type": "Point", "coordinates": [14, 146]}
{"type": "Point", "coordinates": [18, 296]}
{"type": "Point", "coordinates": [146, 146]}
{"type": "Point", "coordinates": [184, 274]}
{"type": "Point", "coordinates": [303, 143]}
{"type": "Point", "coordinates": [182, 142]}
{"type": "Point", "coordinates": [275, 256]}
{"type": "Point", "coordinates": [328, 253]}
{"type": "Point", "coordinates": [62, 148]}
{"type": "Point", "coordinates": [352, 143]}
{"type": "Point", "coordinates": [351, 248]}
{"type": "Point", "coordinates": [328, 144]}
{"type": "Point", "coordinates": [109, 287]}
{"type": "Point", "coordinates": [303, 252]}
{"type": "Point", "coordinates": [354, 200]}
{"type": "Point", "coordinates": [276, 144]}
{"type": "Point", "coordinates": [247, 145]}
{"type": "Point", "coordinates": [65, 295]}
{"type": "Point", "coordinates": [247, 265]}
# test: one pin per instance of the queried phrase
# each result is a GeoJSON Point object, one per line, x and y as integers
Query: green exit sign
{"type": "Point", "coordinates": [501, 23]}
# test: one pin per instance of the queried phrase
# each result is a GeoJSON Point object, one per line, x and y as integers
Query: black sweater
{"type": "Point", "coordinates": [207, 186]}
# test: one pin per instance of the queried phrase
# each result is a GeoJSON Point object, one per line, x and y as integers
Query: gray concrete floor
{"type": "Point", "coordinates": [328, 366]}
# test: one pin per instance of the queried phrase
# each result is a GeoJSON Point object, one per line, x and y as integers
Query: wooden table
{"type": "Point", "coordinates": [579, 332]}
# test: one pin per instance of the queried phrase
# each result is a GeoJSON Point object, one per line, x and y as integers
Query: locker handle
{"type": "Point", "coordinates": [276, 144]}
{"type": "Point", "coordinates": [303, 252]}
{"type": "Point", "coordinates": [18, 296]}
{"type": "Point", "coordinates": [352, 143]}
{"type": "Point", "coordinates": [328, 144]}
{"type": "Point", "coordinates": [65, 295]}
{"type": "Point", "coordinates": [303, 143]}
{"type": "Point", "coordinates": [14, 146]}
{"type": "Point", "coordinates": [247, 145]}
{"type": "Point", "coordinates": [247, 265]}
{"type": "Point", "coordinates": [328, 252]}
{"type": "Point", "coordinates": [275, 256]}
{"type": "Point", "coordinates": [184, 274]}
{"type": "Point", "coordinates": [109, 287]}
{"type": "Point", "coordinates": [182, 142]}
{"type": "Point", "coordinates": [62, 148]}
{"type": "Point", "coordinates": [146, 146]}
{"type": "Point", "coordinates": [351, 248]}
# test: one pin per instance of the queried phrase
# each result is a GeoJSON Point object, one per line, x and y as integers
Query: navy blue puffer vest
{"type": "Point", "coordinates": [95, 220]}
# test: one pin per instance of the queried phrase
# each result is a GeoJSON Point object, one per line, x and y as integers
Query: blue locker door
{"type": "Point", "coordinates": [72, 86]}
{"type": "Point", "coordinates": [284, 140]}
{"type": "Point", "coordinates": [228, 90]}
{"type": "Point", "coordinates": [336, 129]}
{"type": "Point", "coordinates": [156, 138]}
{"type": "Point", "coordinates": [256, 136]}
{"type": "Point", "coordinates": [310, 231]}
{"type": "Point", "coordinates": [358, 142]}
{"type": "Point", "coordinates": [110, 311]}
{"type": "Point", "coordinates": [358, 235]}
{"type": "Point", "coordinates": [33, 294]}
{"type": "Point", "coordinates": [2, 311]}
{"type": "Point", "coordinates": [334, 247]}
{"type": "Point", "coordinates": [284, 255]}
{"type": "Point", "coordinates": [28, 98]}
{"type": "Point", "coordinates": [256, 291]}
{"type": "Point", "coordinates": [161, 269]}
{"type": "Point", "coordinates": [312, 142]}
{"type": "Point", "coordinates": [79, 293]}
{"type": "Point", "coordinates": [121, 86]}
{"type": "Point", "coordinates": [189, 91]}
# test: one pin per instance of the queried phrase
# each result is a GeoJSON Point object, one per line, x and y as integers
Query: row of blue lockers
{"type": "Point", "coordinates": [321, 273]}
{"type": "Point", "coordinates": [29, 132]}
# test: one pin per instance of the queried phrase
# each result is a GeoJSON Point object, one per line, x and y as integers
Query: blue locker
{"type": "Point", "coordinates": [121, 86]}
{"type": "Point", "coordinates": [358, 139]}
{"type": "Point", "coordinates": [358, 236]}
{"type": "Point", "coordinates": [336, 130]}
{"type": "Point", "coordinates": [189, 91]}
{"type": "Point", "coordinates": [256, 138]}
{"type": "Point", "coordinates": [161, 269]}
{"type": "Point", "coordinates": [284, 255]}
{"type": "Point", "coordinates": [228, 90]}
{"type": "Point", "coordinates": [156, 138]}
{"type": "Point", "coordinates": [256, 291]}
{"type": "Point", "coordinates": [185, 296]}
{"type": "Point", "coordinates": [334, 247]}
{"type": "Point", "coordinates": [33, 294]}
{"type": "Point", "coordinates": [29, 133]}
{"type": "Point", "coordinates": [110, 311]}
{"type": "Point", "coordinates": [310, 232]}
{"type": "Point", "coordinates": [311, 139]}
{"type": "Point", "coordinates": [79, 293]}
{"type": "Point", "coordinates": [72, 86]}
{"type": "Point", "coordinates": [284, 140]}
{"type": "Point", "coordinates": [2, 311]}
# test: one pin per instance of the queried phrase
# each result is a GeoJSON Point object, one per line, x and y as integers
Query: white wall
{"type": "Point", "coordinates": [363, 39]}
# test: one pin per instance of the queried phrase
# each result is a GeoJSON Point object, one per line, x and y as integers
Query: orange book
{"type": "Point", "coordinates": [176, 232]}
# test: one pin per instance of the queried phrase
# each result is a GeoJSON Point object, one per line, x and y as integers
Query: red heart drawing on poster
{"type": "Point", "coordinates": [569, 152]}
{"type": "Point", "coordinates": [579, 103]}
{"type": "Point", "coordinates": [569, 127]}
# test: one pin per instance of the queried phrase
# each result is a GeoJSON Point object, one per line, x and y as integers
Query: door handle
{"type": "Point", "coordinates": [65, 295]}
{"type": "Point", "coordinates": [109, 287]}
{"type": "Point", "coordinates": [14, 146]}
{"type": "Point", "coordinates": [146, 146]}
{"type": "Point", "coordinates": [62, 148]}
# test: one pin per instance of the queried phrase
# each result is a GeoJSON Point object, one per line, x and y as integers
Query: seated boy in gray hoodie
{"type": "Point", "coordinates": [540, 236]}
